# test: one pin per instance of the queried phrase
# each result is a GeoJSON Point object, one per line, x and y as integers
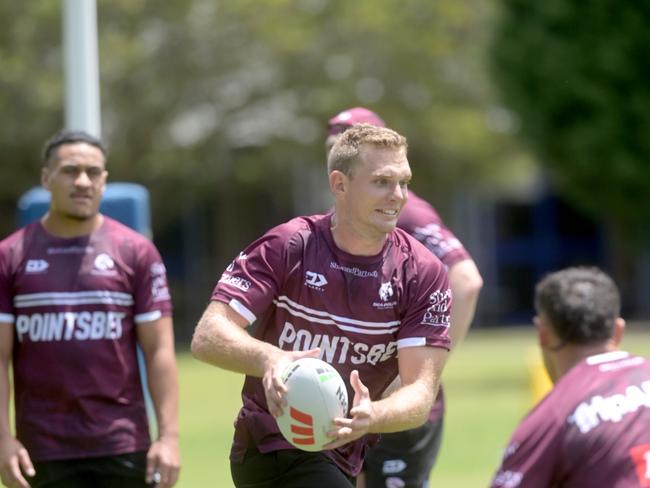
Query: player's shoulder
{"type": "Point", "coordinates": [417, 213]}
{"type": "Point", "coordinates": [116, 228]}
{"type": "Point", "coordinates": [412, 247]}
{"type": "Point", "coordinates": [298, 228]}
{"type": "Point", "coordinates": [16, 239]}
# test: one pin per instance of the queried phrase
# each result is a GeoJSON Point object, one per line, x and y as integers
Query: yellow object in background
{"type": "Point", "coordinates": [538, 381]}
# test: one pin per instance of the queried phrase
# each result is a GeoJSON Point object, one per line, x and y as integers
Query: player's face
{"type": "Point", "coordinates": [76, 181]}
{"type": "Point", "coordinates": [378, 189]}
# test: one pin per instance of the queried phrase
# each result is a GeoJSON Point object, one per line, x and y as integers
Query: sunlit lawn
{"type": "Point", "coordinates": [488, 391]}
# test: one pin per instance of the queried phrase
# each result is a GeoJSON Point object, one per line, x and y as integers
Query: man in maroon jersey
{"type": "Point", "coordinates": [593, 428]}
{"type": "Point", "coordinates": [405, 459]}
{"type": "Point", "coordinates": [78, 292]}
{"type": "Point", "coordinates": [347, 287]}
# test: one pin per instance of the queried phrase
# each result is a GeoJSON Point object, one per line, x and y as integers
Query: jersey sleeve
{"type": "Point", "coordinates": [6, 287]}
{"type": "Point", "coordinates": [427, 313]}
{"type": "Point", "coordinates": [531, 458]}
{"type": "Point", "coordinates": [151, 290]}
{"type": "Point", "coordinates": [441, 241]}
{"type": "Point", "coordinates": [252, 280]}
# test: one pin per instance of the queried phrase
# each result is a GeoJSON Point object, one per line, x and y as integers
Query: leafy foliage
{"type": "Point", "coordinates": [576, 73]}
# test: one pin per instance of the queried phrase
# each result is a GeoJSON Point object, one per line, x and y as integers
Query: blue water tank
{"type": "Point", "coordinates": [127, 203]}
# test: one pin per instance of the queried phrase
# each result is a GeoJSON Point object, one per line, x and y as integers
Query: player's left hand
{"type": "Point", "coordinates": [163, 462]}
{"type": "Point", "coordinates": [349, 429]}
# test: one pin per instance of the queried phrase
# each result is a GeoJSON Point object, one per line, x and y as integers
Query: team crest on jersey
{"type": "Point", "coordinates": [34, 266]}
{"type": "Point", "coordinates": [315, 281]}
{"type": "Point", "coordinates": [104, 265]}
{"type": "Point", "coordinates": [385, 294]}
{"type": "Point", "coordinates": [385, 291]}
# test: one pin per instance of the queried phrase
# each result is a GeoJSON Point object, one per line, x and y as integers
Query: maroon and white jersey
{"type": "Point", "coordinates": [591, 430]}
{"type": "Point", "coordinates": [421, 220]}
{"type": "Point", "coordinates": [360, 310]}
{"type": "Point", "coordinates": [74, 304]}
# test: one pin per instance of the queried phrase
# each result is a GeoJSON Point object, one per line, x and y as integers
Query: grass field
{"type": "Point", "coordinates": [488, 391]}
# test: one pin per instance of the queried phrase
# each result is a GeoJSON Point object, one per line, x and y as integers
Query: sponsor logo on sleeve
{"type": "Point", "coordinates": [157, 268]}
{"type": "Point", "coordinates": [434, 239]}
{"type": "Point", "coordinates": [438, 312]}
{"type": "Point", "coordinates": [508, 479]}
{"type": "Point", "coordinates": [160, 289]}
{"type": "Point", "coordinates": [315, 281]}
{"type": "Point", "coordinates": [236, 281]}
{"type": "Point", "coordinates": [35, 266]}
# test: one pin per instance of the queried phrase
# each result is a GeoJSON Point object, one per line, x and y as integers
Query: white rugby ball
{"type": "Point", "coordinates": [316, 395]}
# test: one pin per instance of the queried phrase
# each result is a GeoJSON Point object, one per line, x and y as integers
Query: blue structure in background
{"type": "Point", "coordinates": [127, 203]}
{"type": "Point", "coordinates": [535, 238]}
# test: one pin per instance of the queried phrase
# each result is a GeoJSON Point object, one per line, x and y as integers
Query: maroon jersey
{"type": "Point", "coordinates": [74, 304]}
{"type": "Point", "coordinates": [421, 220]}
{"type": "Point", "coordinates": [360, 310]}
{"type": "Point", "coordinates": [592, 429]}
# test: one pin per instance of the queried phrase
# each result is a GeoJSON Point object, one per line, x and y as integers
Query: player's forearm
{"type": "Point", "coordinates": [162, 377]}
{"type": "Point", "coordinates": [224, 344]}
{"type": "Point", "coordinates": [466, 283]}
{"type": "Point", "coordinates": [406, 408]}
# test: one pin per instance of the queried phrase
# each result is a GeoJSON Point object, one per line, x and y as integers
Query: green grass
{"type": "Point", "coordinates": [488, 391]}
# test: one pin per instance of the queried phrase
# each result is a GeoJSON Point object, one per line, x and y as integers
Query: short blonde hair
{"type": "Point", "coordinates": [346, 150]}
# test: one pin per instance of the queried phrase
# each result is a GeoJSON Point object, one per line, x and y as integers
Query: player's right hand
{"type": "Point", "coordinates": [274, 387]}
{"type": "Point", "coordinates": [13, 458]}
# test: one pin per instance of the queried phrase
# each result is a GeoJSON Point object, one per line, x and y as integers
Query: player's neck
{"type": "Point", "coordinates": [574, 353]}
{"type": "Point", "coordinates": [65, 227]}
{"type": "Point", "coordinates": [354, 241]}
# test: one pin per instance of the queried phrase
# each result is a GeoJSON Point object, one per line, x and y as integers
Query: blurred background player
{"type": "Point", "coordinates": [78, 291]}
{"type": "Point", "coordinates": [593, 428]}
{"type": "Point", "coordinates": [368, 295]}
{"type": "Point", "coordinates": [405, 459]}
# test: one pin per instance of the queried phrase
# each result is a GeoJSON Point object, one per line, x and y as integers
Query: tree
{"type": "Point", "coordinates": [577, 75]}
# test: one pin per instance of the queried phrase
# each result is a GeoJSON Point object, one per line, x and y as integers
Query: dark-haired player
{"type": "Point", "coordinates": [593, 428]}
{"type": "Point", "coordinates": [405, 459]}
{"type": "Point", "coordinates": [346, 286]}
{"type": "Point", "coordinates": [78, 292]}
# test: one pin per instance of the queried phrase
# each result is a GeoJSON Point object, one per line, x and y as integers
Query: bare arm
{"type": "Point", "coordinates": [156, 339]}
{"type": "Point", "coordinates": [220, 339]}
{"type": "Point", "coordinates": [13, 456]}
{"type": "Point", "coordinates": [405, 408]}
{"type": "Point", "coordinates": [466, 283]}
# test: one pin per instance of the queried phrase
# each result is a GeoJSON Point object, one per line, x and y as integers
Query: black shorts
{"type": "Point", "coordinates": [404, 459]}
{"type": "Point", "coordinates": [118, 471]}
{"type": "Point", "coordinates": [288, 468]}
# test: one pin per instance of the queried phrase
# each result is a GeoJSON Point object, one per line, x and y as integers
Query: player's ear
{"type": "Point", "coordinates": [338, 182]}
{"type": "Point", "coordinates": [543, 334]}
{"type": "Point", "coordinates": [45, 177]}
{"type": "Point", "coordinates": [619, 328]}
{"type": "Point", "coordinates": [104, 177]}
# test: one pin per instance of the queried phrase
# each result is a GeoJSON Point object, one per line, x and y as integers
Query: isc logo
{"type": "Point", "coordinates": [36, 265]}
{"type": "Point", "coordinates": [303, 425]}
